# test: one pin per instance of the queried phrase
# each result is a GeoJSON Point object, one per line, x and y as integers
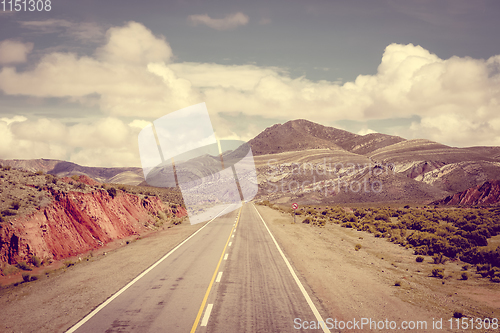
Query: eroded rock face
{"type": "Point", "coordinates": [75, 223]}
{"type": "Point", "coordinates": [486, 194]}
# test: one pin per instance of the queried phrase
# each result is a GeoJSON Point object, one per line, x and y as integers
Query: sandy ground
{"type": "Point", "coordinates": [350, 284]}
{"type": "Point", "coordinates": [60, 299]}
{"type": "Point", "coordinates": [361, 284]}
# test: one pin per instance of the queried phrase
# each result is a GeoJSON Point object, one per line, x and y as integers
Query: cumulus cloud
{"type": "Point", "coordinates": [132, 75]}
{"type": "Point", "coordinates": [229, 22]}
{"type": "Point", "coordinates": [365, 131]}
{"type": "Point", "coordinates": [139, 123]}
{"type": "Point", "coordinates": [134, 44]}
{"type": "Point", "coordinates": [103, 142]}
{"type": "Point", "coordinates": [12, 51]}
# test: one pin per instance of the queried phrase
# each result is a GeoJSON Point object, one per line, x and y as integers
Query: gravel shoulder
{"type": "Point", "coordinates": [60, 298]}
{"type": "Point", "coordinates": [361, 284]}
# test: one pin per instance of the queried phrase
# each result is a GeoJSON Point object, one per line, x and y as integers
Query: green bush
{"type": "Point", "coordinates": [36, 261]}
{"type": "Point", "coordinates": [8, 212]}
{"type": "Point", "coordinates": [24, 266]}
{"type": "Point", "coordinates": [438, 272]}
{"type": "Point", "coordinates": [357, 247]}
{"type": "Point", "coordinates": [439, 259]}
{"type": "Point", "coordinates": [26, 277]}
{"type": "Point", "coordinates": [112, 192]}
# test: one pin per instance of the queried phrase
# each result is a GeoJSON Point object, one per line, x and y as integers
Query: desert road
{"type": "Point", "coordinates": [230, 276]}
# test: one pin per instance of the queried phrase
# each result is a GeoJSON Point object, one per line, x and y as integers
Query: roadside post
{"type": "Point", "coordinates": [294, 206]}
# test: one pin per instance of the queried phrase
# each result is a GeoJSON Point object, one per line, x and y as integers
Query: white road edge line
{"type": "Point", "coordinates": [301, 287]}
{"type": "Point", "coordinates": [206, 316]}
{"type": "Point", "coordinates": [225, 257]}
{"type": "Point", "coordinates": [219, 276]}
{"type": "Point", "coordinates": [109, 300]}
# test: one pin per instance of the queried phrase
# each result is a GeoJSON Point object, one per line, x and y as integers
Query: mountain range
{"type": "Point", "coordinates": [307, 162]}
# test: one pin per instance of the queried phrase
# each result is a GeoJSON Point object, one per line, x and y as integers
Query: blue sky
{"type": "Point", "coordinates": [80, 81]}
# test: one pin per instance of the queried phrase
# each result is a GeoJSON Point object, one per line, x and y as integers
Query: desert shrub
{"type": "Point", "coordinates": [34, 278]}
{"type": "Point", "coordinates": [465, 267]}
{"type": "Point", "coordinates": [15, 205]}
{"type": "Point", "coordinates": [438, 272]}
{"type": "Point", "coordinates": [406, 207]}
{"type": "Point", "coordinates": [457, 314]}
{"type": "Point", "coordinates": [162, 215]}
{"type": "Point", "coordinates": [8, 212]}
{"type": "Point", "coordinates": [397, 283]}
{"type": "Point", "coordinates": [348, 225]}
{"type": "Point", "coordinates": [357, 247]}
{"type": "Point", "coordinates": [382, 216]}
{"type": "Point", "coordinates": [306, 220]}
{"type": "Point", "coordinates": [68, 263]}
{"type": "Point", "coordinates": [75, 178]}
{"type": "Point", "coordinates": [7, 167]}
{"type": "Point", "coordinates": [26, 277]}
{"type": "Point", "coordinates": [419, 259]}
{"type": "Point", "coordinates": [24, 266]}
{"type": "Point", "coordinates": [465, 276]}
{"type": "Point", "coordinates": [122, 188]}
{"type": "Point", "coordinates": [40, 172]}
{"type": "Point", "coordinates": [112, 192]}
{"type": "Point", "coordinates": [421, 250]}
{"type": "Point", "coordinates": [36, 261]}
{"type": "Point", "coordinates": [439, 259]}
{"type": "Point", "coordinates": [81, 186]}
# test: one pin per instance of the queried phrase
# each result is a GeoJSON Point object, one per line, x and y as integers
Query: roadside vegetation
{"type": "Point", "coordinates": [443, 234]}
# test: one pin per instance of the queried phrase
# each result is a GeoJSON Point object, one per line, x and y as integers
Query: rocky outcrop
{"type": "Point", "coordinates": [487, 194]}
{"type": "Point", "coordinates": [77, 222]}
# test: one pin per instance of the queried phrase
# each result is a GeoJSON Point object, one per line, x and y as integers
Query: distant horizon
{"type": "Point", "coordinates": [139, 166]}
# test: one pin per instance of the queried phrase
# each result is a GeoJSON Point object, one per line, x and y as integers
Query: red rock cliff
{"type": "Point", "coordinates": [75, 223]}
{"type": "Point", "coordinates": [482, 195]}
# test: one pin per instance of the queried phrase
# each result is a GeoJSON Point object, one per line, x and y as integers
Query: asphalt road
{"type": "Point", "coordinates": [228, 277]}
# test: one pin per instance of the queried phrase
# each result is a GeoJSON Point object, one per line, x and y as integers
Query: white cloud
{"type": "Point", "coordinates": [12, 51]}
{"type": "Point", "coordinates": [103, 142]}
{"type": "Point", "coordinates": [14, 119]}
{"type": "Point", "coordinates": [365, 131]}
{"type": "Point", "coordinates": [134, 44]}
{"type": "Point", "coordinates": [456, 99]}
{"type": "Point", "coordinates": [229, 22]}
{"type": "Point", "coordinates": [139, 123]}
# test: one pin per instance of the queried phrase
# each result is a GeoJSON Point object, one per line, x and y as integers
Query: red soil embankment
{"type": "Point", "coordinates": [75, 223]}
